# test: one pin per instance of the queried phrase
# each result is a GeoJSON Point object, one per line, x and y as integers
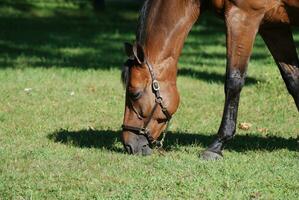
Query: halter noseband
{"type": "Point", "coordinates": [158, 101]}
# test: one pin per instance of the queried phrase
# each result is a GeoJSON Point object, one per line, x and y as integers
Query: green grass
{"type": "Point", "coordinates": [60, 139]}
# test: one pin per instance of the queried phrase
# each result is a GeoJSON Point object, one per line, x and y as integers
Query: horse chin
{"type": "Point", "coordinates": [138, 146]}
{"type": "Point", "coordinates": [143, 150]}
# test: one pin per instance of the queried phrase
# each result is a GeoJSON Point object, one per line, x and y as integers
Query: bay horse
{"type": "Point", "coordinates": [149, 74]}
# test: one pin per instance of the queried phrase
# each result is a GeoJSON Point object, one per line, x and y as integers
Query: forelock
{"type": "Point", "coordinates": [125, 72]}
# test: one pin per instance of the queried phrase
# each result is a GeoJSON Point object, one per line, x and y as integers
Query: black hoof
{"type": "Point", "coordinates": [210, 155]}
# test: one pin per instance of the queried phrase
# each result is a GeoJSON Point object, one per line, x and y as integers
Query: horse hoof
{"type": "Point", "coordinates": [210, 155]}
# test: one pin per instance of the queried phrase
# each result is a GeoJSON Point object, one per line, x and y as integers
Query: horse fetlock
{"type": "Point", "coordinates": [213, 152]}
{"type": "Point", "coordinates": [216, 146]}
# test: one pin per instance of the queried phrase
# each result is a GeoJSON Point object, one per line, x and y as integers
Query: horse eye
{"type": "Point", "coordinates": [135, 95]}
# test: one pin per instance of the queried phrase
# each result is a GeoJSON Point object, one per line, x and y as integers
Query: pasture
{"type": "Point", "coordinates": [62, 102]}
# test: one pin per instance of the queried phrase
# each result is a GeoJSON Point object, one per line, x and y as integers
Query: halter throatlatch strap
{"type": "Point", "coordinates": [158, 101]}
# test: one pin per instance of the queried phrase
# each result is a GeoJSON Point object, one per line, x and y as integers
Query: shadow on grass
{"type": "Point", "coordinates": [106, 139]}
{"type": "Point", "coordinates": [211, 76]}
{"type": "Point", "coordinates": [74, 38]}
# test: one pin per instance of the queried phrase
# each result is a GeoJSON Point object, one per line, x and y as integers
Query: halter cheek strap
{"type": "Point", "coordinates": [158, 101]}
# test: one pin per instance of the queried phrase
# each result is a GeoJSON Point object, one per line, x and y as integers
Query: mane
{"type": "Point", "coordinates": [140, 38]}
{"type": "Point", "coordinates": [142, 21]}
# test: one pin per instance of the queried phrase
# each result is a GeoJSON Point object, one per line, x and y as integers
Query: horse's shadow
{"type": "Point", "coordinates": [107, 139]}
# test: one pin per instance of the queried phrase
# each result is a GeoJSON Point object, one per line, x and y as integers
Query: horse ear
{"type": "Point", "coordinates": [139, 53]}
{"type": "Point", "coordinates": [129, 49]}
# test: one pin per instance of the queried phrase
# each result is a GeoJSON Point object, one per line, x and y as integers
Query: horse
{"type": "Point", "coordinates": [149, 74]}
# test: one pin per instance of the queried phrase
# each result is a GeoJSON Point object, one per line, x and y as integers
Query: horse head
{"type": "Point", "coordinates": [151, 99]}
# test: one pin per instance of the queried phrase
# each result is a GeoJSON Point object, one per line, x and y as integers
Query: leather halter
{"type": "Point", "coordinates": [158, 101]}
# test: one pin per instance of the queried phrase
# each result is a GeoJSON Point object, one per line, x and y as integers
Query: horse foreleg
{"type": "Point", "coordinates": [280, 42]}
{"type": "Point", "coordinates": [241, 31]}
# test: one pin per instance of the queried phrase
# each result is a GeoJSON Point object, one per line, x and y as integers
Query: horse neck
{"type": "Point", "coordinates": [167, 26]}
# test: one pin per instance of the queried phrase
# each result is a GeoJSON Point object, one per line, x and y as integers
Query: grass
{"type": "Point", "coordinates": [62, 106]}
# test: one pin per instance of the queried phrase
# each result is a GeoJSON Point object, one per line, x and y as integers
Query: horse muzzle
{"type": "Point", "coordinates": [136, 144]}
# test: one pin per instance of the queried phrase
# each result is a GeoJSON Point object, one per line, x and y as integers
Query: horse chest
{"type": "Point", "coordinates": [283, 11]}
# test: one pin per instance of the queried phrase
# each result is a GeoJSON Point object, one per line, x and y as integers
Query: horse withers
{"type": "Point", "coordinates": [149, 74]}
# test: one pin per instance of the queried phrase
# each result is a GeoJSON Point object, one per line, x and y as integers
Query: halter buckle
{"type": "Point", "coordinates": [156, 86]}
{"type": "Point", "coordinates": [143, 131]}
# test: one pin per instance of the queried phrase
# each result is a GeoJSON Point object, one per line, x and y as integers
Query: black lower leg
{"type": "Point", "coordinates": [280, 42]}
{"type": "Point", "coordinates": [233, 86]}
{"type": "Point", "coordinates": [290, 75]}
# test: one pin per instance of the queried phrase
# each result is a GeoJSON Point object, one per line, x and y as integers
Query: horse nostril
{"type": "Point", "coordinates": [146, 150]}
{"type": "Point", "coordinates": [129, 149]}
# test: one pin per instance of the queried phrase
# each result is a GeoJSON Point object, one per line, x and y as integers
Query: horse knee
{"type": "Point", "coordinates": [235, 82]}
